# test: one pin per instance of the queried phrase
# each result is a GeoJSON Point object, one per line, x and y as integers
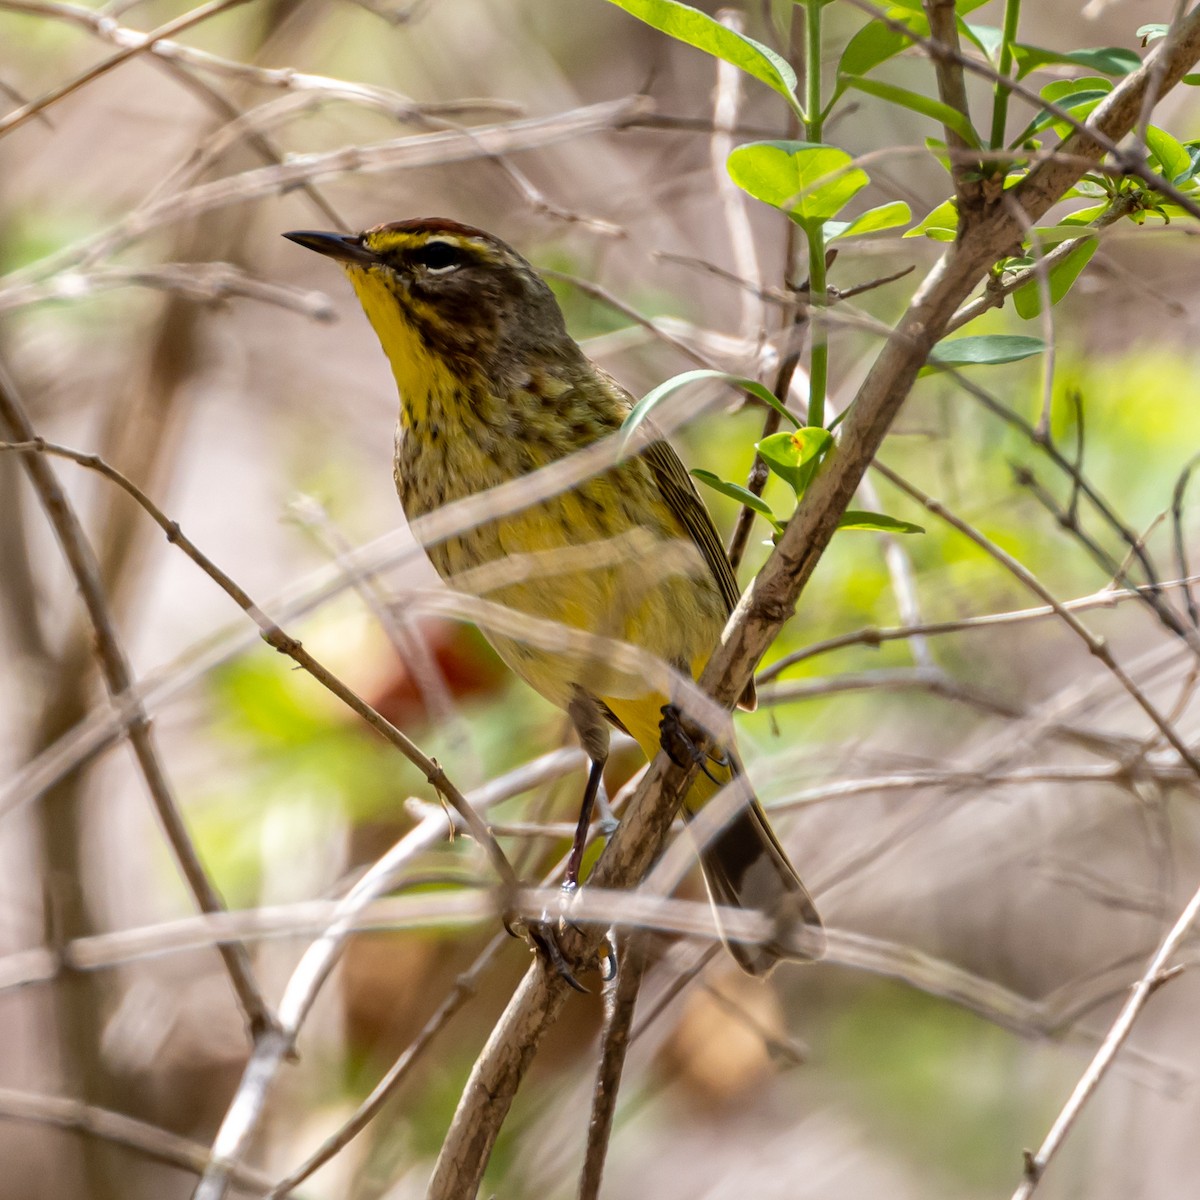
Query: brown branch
{"type": "Point", "coordinates": [187, 21]}
{"type": "Point", "coordinates": [118, 679]}
{"type": "Point", "coordinates": [1097, 646]}
{"type": "Point", "coordinates": [1155, 975]}
{"type": "Point", "coordinates": [947, 58]}
{"type": "Point", "coordinates": [620, 999]}
{"type": "Point", "coordinates": [33, 447]}
{"type": "Point", "coordinates": [150, 1141]}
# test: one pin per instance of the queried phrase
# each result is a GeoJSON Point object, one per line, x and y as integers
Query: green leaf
{"type": "Point", "coordinates": [1027, 300]}
{"type": "Point", "coordinates": [988, 38]}
{"type": "Point", "coordinates": [855, 519]}
{"type": "Point", "coordinates": [1076, 96]}
{"type": "Point", "coordinates": [809, 181]}
{"type": "Point", "coordinates": [885, 216]}
{"type": "Point", "coordinates": [1110, 60]}
{"type": "Point", "coordinates": [926, 105]}
{"type": "Point", "coordinates": [1175, 161]}
{"type": "Point", "coordinates": [1151, 33]}
{"type": "Point", "coordinates": [642, 409]}
{"type": "Point", "coordinates": [876, 41]}
{"type": "Point", "coordinates": [941, 225]}
{"type": "Point", "coordinates": [794, 456]}
{"type": "Point", "coordinates": [988, 349]}
{"type": "Point", "coordinates": [735, 491]}
{"type": "Point", "coordinates": [694, 28]}
{"type": "Point", "coordinates": [1060, 91]}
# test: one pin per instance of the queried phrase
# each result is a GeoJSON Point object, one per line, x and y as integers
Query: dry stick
{"type": "Point", "coordinates": [771, 598]}
{"type": "Point", "coordinates": [118, 679]}
{"type": "Point", "coordinates": [396, 154]}
{"type": "Point", "coordinates": [204, 282]}
{"type": "Point", "coordinates": [1097, 646]}
{"type": "Point", "coordinates": [1080, 484]}
{"type": "Point", "coordinates": [451, 518]}
{"type": "Point", "coordinates": [1156, 974]}
{"type": "Point", "coordinates": [148, 1140]}
{"type": "Point", "coordinates": [874, 635]}
{"type": "Point", "coordinates": [399, 105]}
{"type": "Point", "coordinates": [465, 987]}
{"type": "Point", "coordinates": [178, 25]}
{"type": "Point", "coordinates": [33, 447]}
{"type": "Point", "coordinates": [620, 999]}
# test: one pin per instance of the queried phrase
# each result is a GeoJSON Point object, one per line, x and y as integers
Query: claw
{"type": "Point", "coordinates": [681, 747]}
{"type": "Point", "coordinates": [548, 946]}
{"type": "Point", "coordinates": [541, 936]}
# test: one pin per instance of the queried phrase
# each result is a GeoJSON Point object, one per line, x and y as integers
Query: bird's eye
{"type": "Point", "coordinates": [438, 256]}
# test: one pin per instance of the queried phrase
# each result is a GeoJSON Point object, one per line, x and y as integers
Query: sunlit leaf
{"type": "Point", "coordinates": [885, 216]}
{"type": "Point", "coordinates": [1076, 96]}
{"type": "Point", "coordinates": [941, 224]}
{"type": "Point", "coordinates": [926, 105]}
{"type": "Point", "coordinates": [1110, 60]}
{"type": "Point", "coordinates": [694, 28]}
{"type": "Point", "coordinates": [1175, 161]}
{"type": "Point", "coordinates": [735, 491]}
{"type": "Point", "coordinates": [809, 181]}
{"type": "Point", "coordinates": [880, 522]}
{"type": "Point", "coordinates": [877, 41]}
{"type": "Point", "coordinates": [1027, 300]}
{"type": "Point", "coordinates": [643, 408]}
{"type": "Point", "coordinates": [988, 38]}
{"type": "Point", "coordinates": [794, 456]}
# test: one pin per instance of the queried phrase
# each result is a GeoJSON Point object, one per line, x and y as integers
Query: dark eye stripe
{"type": "Point", "coordinates": [438, 256]}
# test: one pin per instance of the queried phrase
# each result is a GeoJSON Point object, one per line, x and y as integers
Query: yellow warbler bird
{"type": "Point", "coordinates": [492, 387]}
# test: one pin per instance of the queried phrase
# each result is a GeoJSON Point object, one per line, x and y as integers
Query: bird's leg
{"type": "Point", "coordinates": [590, 791]}
{"type": "Point", "coordinates": [589, 723]}
{"type": "Point", "coordinates": [680, 744]}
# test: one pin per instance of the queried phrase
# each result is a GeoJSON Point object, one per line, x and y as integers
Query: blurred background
{"type": "Point", "coordinates": [982, 808]}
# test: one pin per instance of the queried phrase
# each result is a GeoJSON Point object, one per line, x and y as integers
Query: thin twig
{"type": "Point", "coordinates": [149, 1141]}
{"type": "Point", "coordinates": [119, 679]}
{"type": "Point", "coordinates": [1096, 645]}
{"type": "Point", "coordinates": [186, 21]}
{"type": "Point", "coordinates": [1155, 975]}
{"type": "Point", "coordinates": [620, 999]}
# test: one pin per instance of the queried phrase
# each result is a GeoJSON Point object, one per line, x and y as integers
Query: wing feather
{"type": "Point", "coordinates": [679, 492]}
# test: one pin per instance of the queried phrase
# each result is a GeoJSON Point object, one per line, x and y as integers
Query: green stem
{"type": "Point", "coordinates": [1012, 15]}
{"type": "Point", "coordinates": [815, 233]}
{"type": "Point", "coordinates": [812, 70]}
{"type": "Point", "coordinates": [818, 367]}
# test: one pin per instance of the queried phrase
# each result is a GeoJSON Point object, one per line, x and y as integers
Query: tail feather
{"type": "Point", "coordinates": [745, 867]}
{"type": "Point", "coordinates": [744, 864]}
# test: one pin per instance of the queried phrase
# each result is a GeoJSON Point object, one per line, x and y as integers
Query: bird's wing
{"type": "Point", "coordinates": [677, 489]}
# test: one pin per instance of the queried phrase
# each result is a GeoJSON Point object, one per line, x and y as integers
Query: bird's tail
{"type": "Point", "coordinates": [746, 867]}
{"type": "Point", "coordinates": [744, 864]}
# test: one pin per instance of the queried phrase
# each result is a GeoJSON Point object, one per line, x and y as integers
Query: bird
{"type": "Point", "coordinates": [492, 387]}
